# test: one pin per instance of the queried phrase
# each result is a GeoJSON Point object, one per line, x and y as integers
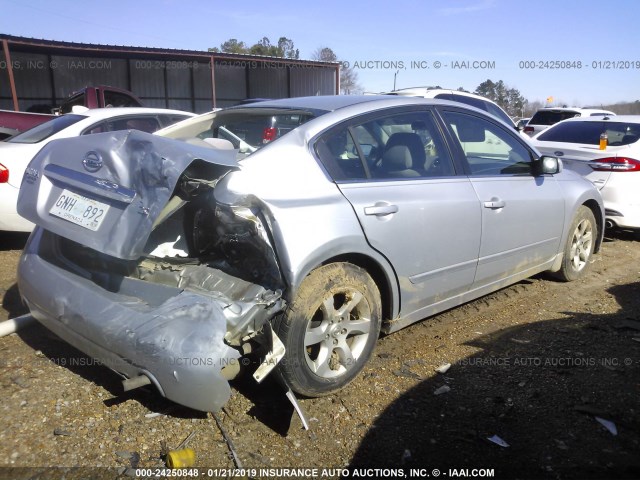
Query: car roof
{"type": "Point", "coordinates": [430, 92]}
{"type": "Point", "coordinates": [109, 112]}
{"type": "Point", "coordinates": [327, 103]}
{"type": "Point", "coordinates": [331, 103]}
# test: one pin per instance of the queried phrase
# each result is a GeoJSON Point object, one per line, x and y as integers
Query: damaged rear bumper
{"type": "Point", "coordinates": [174, 336]}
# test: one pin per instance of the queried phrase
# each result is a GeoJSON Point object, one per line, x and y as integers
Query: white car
{"type": "Point", "coordinates": [17, 152]}
{"type": "Point", "coordinates": [545, 117]}
{"type": "Point", "coordinates": [467, 98]}
{"type": "Point", "coordinates": [615, 171]}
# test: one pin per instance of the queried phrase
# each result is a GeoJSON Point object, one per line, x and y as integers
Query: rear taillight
{"type": "Point", "coordinates": [4, 174]}
{"type": "Point", "coordinates": [615, 164]}
{"type": "Point", "coordinates": [269, 134]}
{"type": "Point", "coordinates": [528, 129]}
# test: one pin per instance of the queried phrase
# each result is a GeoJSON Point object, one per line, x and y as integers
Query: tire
{"type": "Point", "coordinates": [329, 330]}
{"type": "Point", "coordinates": [579, 247]}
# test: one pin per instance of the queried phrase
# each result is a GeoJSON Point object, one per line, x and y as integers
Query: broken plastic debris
{"type": "Point", "coordinates": [154, 415]}
{"type": "Point", "coordinates": [498, 441]}
{"type": "Point", "coordinates": [609, 425]}
{"type": "Point", "coordinates": [442, 389]}
{"type": "Point", "coordinates": [443, 368]}
{"type": "Point", "coordinates": [183, 458]}
{"type": "Point", "coordinates": [523, 342]}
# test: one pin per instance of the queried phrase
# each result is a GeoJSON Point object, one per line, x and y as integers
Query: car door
{"type": "Point", "coordinates": [522, 214]}
{"type": "Point", "coordinates": [398, 175]}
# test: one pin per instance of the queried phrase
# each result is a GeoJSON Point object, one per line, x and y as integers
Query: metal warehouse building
{"type": "Point", "coordinates": [44, 72]}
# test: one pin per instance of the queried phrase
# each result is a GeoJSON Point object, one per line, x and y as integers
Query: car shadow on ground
{"type": "Point", "coordinates": [13, 240]}
{"type": "Point", "coordinates": [59, 352]}
{"type": "Point", "coordinates": [537, 387]}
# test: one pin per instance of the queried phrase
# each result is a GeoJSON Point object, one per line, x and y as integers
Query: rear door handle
{"type": "Point", "coordinates": [494, 203]}
{"type": "Point", "coordinates": [380, 209]}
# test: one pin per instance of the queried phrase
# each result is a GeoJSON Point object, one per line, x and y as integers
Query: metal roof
{"type": "Point", "coordinates": [39, 44]}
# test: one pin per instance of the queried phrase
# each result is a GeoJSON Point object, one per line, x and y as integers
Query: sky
{"type": "Point", "coordinates": [577, 53]}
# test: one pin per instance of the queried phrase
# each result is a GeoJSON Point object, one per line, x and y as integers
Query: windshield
{"type": "Point", "coordinates": [46, 129]}
{"type": "Point", "coordinates": [246, 129]}
{"type": "Point", "coordinates": [618, 133]}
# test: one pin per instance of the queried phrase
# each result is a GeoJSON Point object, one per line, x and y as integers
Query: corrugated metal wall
{"type": "Point", "coordinates": [182, 82]}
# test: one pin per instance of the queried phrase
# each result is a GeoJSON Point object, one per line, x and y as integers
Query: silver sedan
{"type": "Point", "coordinates": [291, 232]}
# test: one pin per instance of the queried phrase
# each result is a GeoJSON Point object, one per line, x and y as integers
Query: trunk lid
{"type": "Point", "coordinates": [107, 191]}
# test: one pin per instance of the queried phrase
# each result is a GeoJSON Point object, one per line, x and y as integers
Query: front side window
{"type": "Point", "coordinates": [147, 124]}
{"type": "Point", "coordinates": [399, 146]}
{"type": "Point", "coordinates": [489, 149]}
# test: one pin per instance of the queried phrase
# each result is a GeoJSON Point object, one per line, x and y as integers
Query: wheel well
{"type": "Point", "coordinates": [597, 213]}
{"type": "Point", "coordinates": [377, 274]}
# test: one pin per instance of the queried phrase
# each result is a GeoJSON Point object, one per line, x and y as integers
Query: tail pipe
{"type": "Point", "coordinates": [135, 382]}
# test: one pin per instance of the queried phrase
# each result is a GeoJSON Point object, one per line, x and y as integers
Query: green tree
{"type": "Point", "coordinates": [285, 48]}
{"type": "Point", "coordinates": [510, 99]}
{"type": "Point", "coordinates": [231, 46]}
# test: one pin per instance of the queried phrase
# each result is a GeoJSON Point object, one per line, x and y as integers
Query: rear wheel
{"type": "Point", "coordinates": [579, 247]}
{"type": "Point", "coordinates": [329, 329]}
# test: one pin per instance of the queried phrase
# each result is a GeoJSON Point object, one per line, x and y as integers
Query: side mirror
{"type": "Point", "coordinates": [546, 165]}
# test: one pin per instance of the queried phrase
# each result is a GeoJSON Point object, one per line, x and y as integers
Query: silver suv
{"type": "Point", "coordinates": [467, 98]}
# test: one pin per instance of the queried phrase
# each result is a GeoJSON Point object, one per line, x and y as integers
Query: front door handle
{"type": "Point", "coordinates": [495, 203]}
{"type": "Point", "coordinates": [380, 209]}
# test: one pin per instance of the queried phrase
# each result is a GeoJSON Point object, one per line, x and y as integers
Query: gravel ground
{"type": "Point", "coordinates": [533, 365]}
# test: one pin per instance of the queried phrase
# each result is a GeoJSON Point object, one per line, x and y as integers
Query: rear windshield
{"type": "Point", "coordinates": [550, 117]}
{"type": "Point", "coordinates": [46, 129]}
{"type": "Point", "coordinates": [247, 129]}
{"type": "Point", "coordinates": [618, 133]}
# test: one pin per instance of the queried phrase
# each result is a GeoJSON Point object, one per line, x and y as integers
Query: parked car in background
{"type": "Point", "coordinates": [545, 117]}
{"type": "Point", "coordinates": [615, 171]}
{"type": "Point", "coordinates": [17, 152]}
{"type": "Point", "coordinates": [467, 98]}
{"type": "Point", "coordinates": [520, 124]}
{"type": "Point", "coordinates": [177, 254]}
{"type": "Point", "coordinates": [12, 123]}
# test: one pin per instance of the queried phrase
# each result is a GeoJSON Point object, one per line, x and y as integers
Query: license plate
{"type": "Point", "coordinates": [83, 211]}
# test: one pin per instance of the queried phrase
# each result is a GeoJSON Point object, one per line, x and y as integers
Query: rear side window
{"type": "Point", "coordinates": [618, 133]}
{"type": "Point", "coordinates": [549, 117]}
